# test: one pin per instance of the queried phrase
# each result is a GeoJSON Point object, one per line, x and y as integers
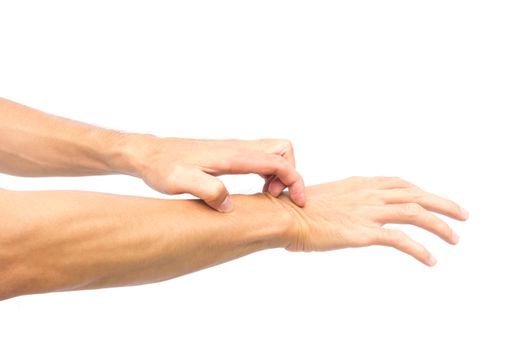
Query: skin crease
{"type": "Point", "coordinates": [81, 240]}
{"type": "Point", "coordinates": [34, 143]}
{"type": "Point", "coordinates": [72, 240]}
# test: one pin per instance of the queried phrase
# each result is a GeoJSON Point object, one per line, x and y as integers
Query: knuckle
{"type": "Point", "coordinates": [178, 168]}
{"type": "Point", "coordinates": [414, 193]}
{"type": "Point", "coordinates": [390, 237]}
{"type": "Point", "coordinates": [396, 238]}
{"type": "Point", "coordinates": [280, 146]}
{"type": "Point", "coordinates": [226, 164]}
{"type": "Point", "coordinates": [411, 209]}
{"type": "Point", "coordinates": [176, 180]}
{"type": "Point", "coordinates": [280, 163]}
{"type": "Point", "coordinates": [175, 188]}
{"type": "Point", "coordinates": [288, 145]}
{"type": "Point", "coordinates": [174, 185]}
{"type": "Point", "coordinates": [215, 190]}
{"type": "Point", "coordinates": [443, 227]}
{"type": "Point", "coordinates": [372, 196]}
{"type": "Point", "coordinates": [178, 171]}
{"type": "Point", "coordinates": [285, 142]}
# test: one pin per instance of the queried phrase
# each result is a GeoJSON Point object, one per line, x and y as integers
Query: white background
{"type": "Point", "coordinates": [432, 91]}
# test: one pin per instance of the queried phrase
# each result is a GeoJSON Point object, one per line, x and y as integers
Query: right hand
{"type": "Point", "coordinates": [352, 212]}
{"type": "Point", "coordinates": [174, 166]}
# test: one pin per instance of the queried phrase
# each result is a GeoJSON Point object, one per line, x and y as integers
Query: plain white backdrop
{"type": "Point", "coordinates": [433, 91]}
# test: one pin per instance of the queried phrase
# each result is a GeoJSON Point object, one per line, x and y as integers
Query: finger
{"type": "Point", "coordinates": [297, 192]}
{"type": "Point", "coordinates": [273, 185]}
{"type": "Point", "coordinates": [289, 154]}
{"type": "Point", "coordinates": [267, 180]}
{"type": "Point", "coordinates": [282, 147]}
{"type": "Point", "coordinates": [210, 189]}
{"type": "Point", "coordinates": [415, 214]}
{"type": "Point", "coordinates": [276, 187]}
{"type": "Point", "coordinates": [401, 241]}
{"type": "Point", "coordinates": [271, 164]}
{"type": "Point", "coordinates": [427, 200]}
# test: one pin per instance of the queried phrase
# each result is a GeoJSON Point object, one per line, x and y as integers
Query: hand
{"type": "Point", "coordinates": [352, 212]}
{"type": "Point", "coordinates": [174, 166]}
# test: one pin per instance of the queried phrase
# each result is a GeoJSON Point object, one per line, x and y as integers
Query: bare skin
{"type": "Point", "coordinates": [34, 143]}
{"type": "Point", "coordinates": [71, 240]}
{"type": "Point", "coordinates": [80, 240]}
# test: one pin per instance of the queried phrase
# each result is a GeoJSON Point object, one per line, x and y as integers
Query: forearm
{"type": "Point", "coordinates": [34, 143]}
{"type": "Point", "coordinates": [62, 240]}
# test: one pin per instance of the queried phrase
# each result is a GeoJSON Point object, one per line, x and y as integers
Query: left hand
{"type": "Point", "coordinates": [352, 213]}
{"type": "Point", "coordinates": [175, 166]}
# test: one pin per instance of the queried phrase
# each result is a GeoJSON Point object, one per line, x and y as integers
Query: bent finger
{"type": "Point", "coordinates": [210, 189]}
{"type": "Point", "coordinates": [401, 241]}
{"type": "Point", "coordinates": [267, 180]}
{"type": "Point", "coordinates": [276, 187]}
{"type": "Point", "coordinates": [271, 164]}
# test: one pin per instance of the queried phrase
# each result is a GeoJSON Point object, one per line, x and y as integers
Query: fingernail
{"type": "Point", "coordinates": [454, 238]}
{"type": "Point", "coordinates": [432, 261]}
{"type": "Point", "coordinates": [226, 206]}
{"type": "Point", "coordinates": [464, 213]}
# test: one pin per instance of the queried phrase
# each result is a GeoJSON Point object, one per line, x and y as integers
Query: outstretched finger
{"type": "Point", "coordinates": [427, 200]}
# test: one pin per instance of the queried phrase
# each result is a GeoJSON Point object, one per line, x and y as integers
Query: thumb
{"type": "Point", "coordinates": [212, 191]}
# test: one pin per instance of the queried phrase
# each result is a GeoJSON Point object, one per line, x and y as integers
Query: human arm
{"type": "Point", "coordinates": [69, 240]}
{"type": "Point", "coordinates": [34, 143]}
{"type": "Point", "coordinates": [64, 240]}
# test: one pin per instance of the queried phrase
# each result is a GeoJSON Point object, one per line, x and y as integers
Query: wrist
{"type": "Point", "coordinates": [128, 153]}
{"type": "Point", "coordinates": [281, 219]}
{"type": "Point", "coordinates": [263, 221]}
{"type": "Point", "coordinates": [298, 223]}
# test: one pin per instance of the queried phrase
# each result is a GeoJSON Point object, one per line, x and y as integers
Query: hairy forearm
{"type": "Point", "coordinates": [64, 240]}
{"type": "Point", "coordinates": [34, 143]}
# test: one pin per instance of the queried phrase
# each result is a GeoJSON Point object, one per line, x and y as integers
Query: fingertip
{"type": "Point", "coordinates": [274, 192]}
{"type": "Point", "coordinates": [226, 206]}
{"type": "Point", "coordinates": [268, 180]}
{"type": "Point", "coordinates": [454, 239]}
{"type": "Point", "coordinates": [431, 261]}
{"type": "Point", "coordinates": [301, 200]}
{"type": "Point", "coordinates": [276, 187]}
{"type": "Point", "coordinates": [464, 213]}
{"type": "Point", "coordinates": [298, 197]}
